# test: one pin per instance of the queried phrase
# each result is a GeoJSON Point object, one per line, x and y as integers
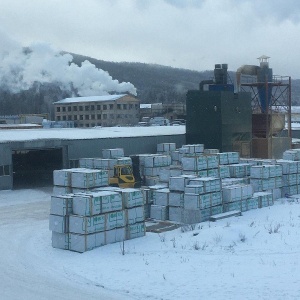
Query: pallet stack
{"type": "Point", "coordinates": [292, 154]}
{"type": "Point", "coordinates": [200, 165]}
{"type": "Point", "coordinates": [165, 148]}
{"type": "Point", "coordinates": [74, 180]}
{"type": "Point", "coordinates": [229, 162]}
{"type": "Point", "coordinates": [185, 150]}
{"type": "Point", "coordinates": [110, 158]}
{"type": "Point", "coordinates": [112, 153]}
{"type": "Point", "coordinates": [267, 180]}
{"type": "Point", "coordinates": [84, 221]}
{"type": "Point", "coordinates": [291, 181]}
{"type": "Point", "coordinates": [239, 197]}
{"type": "Point", "coordinates": [290, 177]}
{"type": "Point", "coordinates": [189, 199]}
{"type": "Point", "coordinates": [202, 198]}
{"type": "Point", "coordinates": [151, 165]}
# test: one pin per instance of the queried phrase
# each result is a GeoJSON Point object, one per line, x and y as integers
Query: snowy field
{"type": "Point", "coordinates": [255, 256]}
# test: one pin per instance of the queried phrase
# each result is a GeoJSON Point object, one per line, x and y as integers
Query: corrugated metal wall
{"type": "Point", "coordinates": [131, 145]}
{"type": "Point", "coordinates": [75, 149]}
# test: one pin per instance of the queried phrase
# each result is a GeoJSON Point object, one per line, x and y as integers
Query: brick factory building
{"type": "Point", "coordinates": [109, 110]}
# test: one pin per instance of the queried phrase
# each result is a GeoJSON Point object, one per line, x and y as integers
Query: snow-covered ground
{"type": "Point", "coordinates": [255, 256]}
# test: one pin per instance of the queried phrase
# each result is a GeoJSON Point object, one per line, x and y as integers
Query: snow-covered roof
{"type": "Point", "coordinates": [145, 105]}
{"type": "Point", "coordinates": [91, 99]}
{"type": "Point", "coordinates": [87, 133]}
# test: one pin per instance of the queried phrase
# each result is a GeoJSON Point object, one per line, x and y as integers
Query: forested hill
{"type": "Point", "coordinates": [154, 83]}
{"type": "Point", "coordinates": [157, 83]}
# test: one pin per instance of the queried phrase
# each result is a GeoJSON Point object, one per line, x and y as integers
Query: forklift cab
{"type": "Point", "coordinates": [123, 177]}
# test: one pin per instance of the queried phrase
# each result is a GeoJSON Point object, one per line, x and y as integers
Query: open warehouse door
{"type": "Point", "coordinates": [34, 167]}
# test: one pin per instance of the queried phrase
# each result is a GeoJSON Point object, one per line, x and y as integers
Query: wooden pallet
{"type": "Point", "coordinates": [229, 214]}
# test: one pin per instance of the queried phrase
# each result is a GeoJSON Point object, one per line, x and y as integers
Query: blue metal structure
{"type": "Point", "coordinates": [264, 76]}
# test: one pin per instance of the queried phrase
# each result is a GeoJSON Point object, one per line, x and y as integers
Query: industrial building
{"type": "Point", "coordinates": [170, 111]}
{"type": "Point", "coordinates": [248, 118]}
{"type": "Point", "coordinates": [109, 110]}
{"type": "Point", "coordinates": [28, 157]}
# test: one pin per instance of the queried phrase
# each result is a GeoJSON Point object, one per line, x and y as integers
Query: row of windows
{"type": "Point", "coordinates": [94, 117]}
{"type": "Point", "coordinates": [98, 107]}
{"type": "Point", "coordinates": [90, 125]}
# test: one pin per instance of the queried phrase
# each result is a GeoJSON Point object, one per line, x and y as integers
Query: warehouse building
{"type": "Point", "coordinates": [28, 157]}
{"type": "Point", "coordinates": [109, 110]}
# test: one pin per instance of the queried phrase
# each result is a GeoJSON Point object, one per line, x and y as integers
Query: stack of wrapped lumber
{"type": "Point", "coordinates": [151, 166]}
{"type": "Point", "coordinates": [266, 181]}
{"type": "Point", "coordinates": [110, 158]}
{"type": "Point", "coordinates": [78, 180]}
{"type": "Point", "coordinates": [189, 199]}
{"type": "Point", "coordinates": [83, 221]}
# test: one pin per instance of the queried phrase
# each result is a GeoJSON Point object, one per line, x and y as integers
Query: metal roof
{"type": "Point", "coordinates": [14, 135]}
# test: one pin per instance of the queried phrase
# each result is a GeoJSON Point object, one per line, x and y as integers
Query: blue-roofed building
{"type": "Point", "coordinates": [107, 110]}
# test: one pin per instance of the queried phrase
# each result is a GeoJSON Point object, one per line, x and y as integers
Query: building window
{"type": "Point", "coordinates": [98, 107]}
{"type": "Point", "coordinates": [69, 108]}
{"type": "Point", "coordinates": [80, 125]}
{"type": "Point", "coordinates": [81, 117]}
{"type": "Point", "coordinates": [87, 117]}
{"type": "Point", "coordinates": [98, 124]}
{"type": "Point", "coordinates": [74, 108]}
{"type": "Point", "coordinates": [130, 106]}
{"type": "Point", "coordinates": [118, 116]}
{"type": "Point", "coordinates": [104, 116]}
{"type": "Point", "coordinates": [99, 117]}
{"type": "Point", "coordinates": [4, 170]}
{"type": "Point", "coordinates": [118, 106]}
{"type": "Point", "coordinates": [87, 125]}
{"type": "Point", "coordinates": [63, 108]}
{"type": "Point", "coordinates": [111, 116]}
{"type": "Point", "coordinates": [58, 109]}
{"type": "Point", "coordinates": [124, 106]}
{"type": "Point", "coordinates": [136, 106]}
{"type": "Point", "coordinates": [69, 118]}
{"type": "Point", "coordinates": [81, 108]}
{"type": "Point", "coordinates": [111, 106]}
{"type": "Point", "coordinates": [87, 108]}
{"type": "Point", "coordinates": [93, 117]}
{"type": "Point", "coordinates": [93, 125]}
{"type": "Point", "coordinates": [92, 107]}
{"type": "Point", "coordinates": [64, 118]}
{"type": "Point", "coordinates": [58, 118]}
{"type": "Point", "coordinates": [104, 107]}
{"type": "Point", "coordinates": [75, 117]}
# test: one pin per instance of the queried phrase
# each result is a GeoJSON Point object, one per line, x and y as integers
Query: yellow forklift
{"type": "Point", "coordinates": [126, 176]}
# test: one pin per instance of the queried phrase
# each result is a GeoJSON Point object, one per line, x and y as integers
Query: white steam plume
{"type": "Point", "coordinates": [21, 67]}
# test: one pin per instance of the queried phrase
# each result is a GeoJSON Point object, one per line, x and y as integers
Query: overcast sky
{"type": "Point", "coordinates": [192, 34]}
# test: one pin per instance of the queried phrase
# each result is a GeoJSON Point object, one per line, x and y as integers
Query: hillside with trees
{"type": "Point", "coordinates": [154, 83]}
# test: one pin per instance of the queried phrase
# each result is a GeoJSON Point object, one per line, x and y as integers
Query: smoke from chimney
{"type": "Point", "coordinates": [21, 67]}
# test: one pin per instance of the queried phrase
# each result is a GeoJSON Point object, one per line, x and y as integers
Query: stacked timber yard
{"type": "Point", "coordinates": [181, 186]}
